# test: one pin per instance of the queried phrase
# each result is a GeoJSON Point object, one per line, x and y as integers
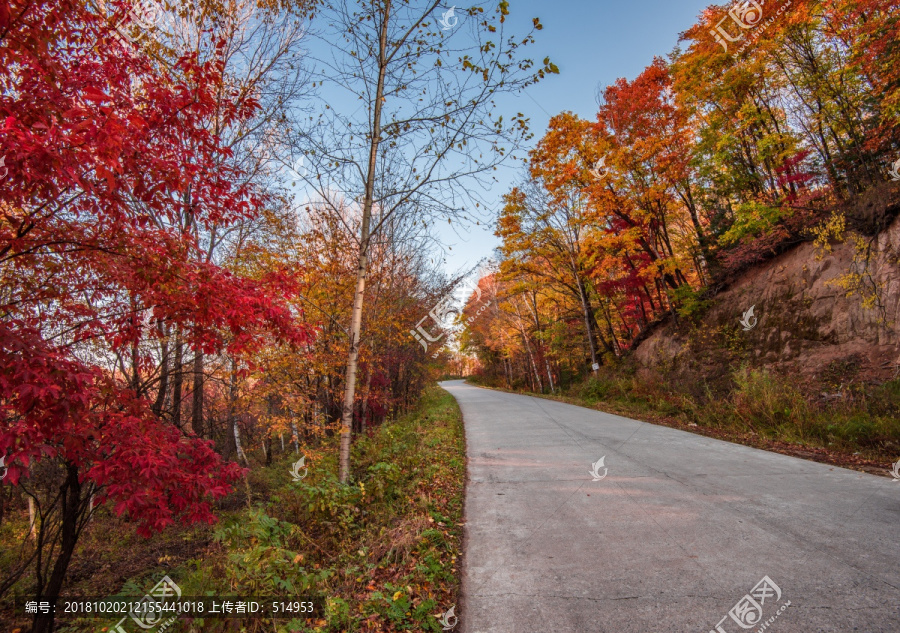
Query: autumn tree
{"type": "Point", "coordinates": [740, 145]}
{"type": "Point", "coordinates": [420, 130]}
{"type": "Point", "coordinates": [100, 143]}
{"type": "Point", "coordinates": [545, 238]}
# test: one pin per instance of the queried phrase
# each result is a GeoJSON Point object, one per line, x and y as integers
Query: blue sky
{"type": "Point", "coordinates": [593, 43]}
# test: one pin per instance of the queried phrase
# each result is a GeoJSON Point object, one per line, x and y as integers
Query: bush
{"type": "Point", "coordinates": [765, 403]}
{"type": "Point", "coordinates": [758, 400]}
{"type": "Point", "coordinates": [264, 557]}
{"type": "Point", "coordinates": [691, 303]}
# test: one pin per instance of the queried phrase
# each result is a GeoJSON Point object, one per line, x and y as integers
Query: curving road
{"type": "Point", "coordinates": [683, 533]}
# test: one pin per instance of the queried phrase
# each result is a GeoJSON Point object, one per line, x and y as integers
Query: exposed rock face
{"type": "Point", "coordinates": [805, 321]}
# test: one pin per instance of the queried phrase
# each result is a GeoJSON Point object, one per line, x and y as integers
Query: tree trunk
{"type": "Point", "coordinates": [542, 348]}
{"type": "Point", "coordinates": [537, 375]}
{"type": "Point", "coordinates": [615, 341]}
{"type": "Point", "coordinates": [586, 307]}
{"type": "Point", "coordinates": [70, 498]}
{"type": "Point", "coordinates": [197, 409]}
{"type": "Point", "coordinates": [32, 522]}
{"type": "Point", "coordinates": [236, 431]}
{"type": "Point", "coordinates": [163, 372]}
{"type": "Point", "coordinates": [232, 413]}
{"type": "Point", "coordinates": [178, 380]}
{"type": "Point", "coordinates": [296, 436]}
{"type": "Point", "coordinates": [362, 268]}
{"type": "Point", "coordinates": [135, 355]}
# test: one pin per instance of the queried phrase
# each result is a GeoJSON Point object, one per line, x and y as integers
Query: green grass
{"type": "Point", "coordinates": [379, 554]}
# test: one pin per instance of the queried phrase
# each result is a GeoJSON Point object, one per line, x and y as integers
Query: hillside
{"type": "Point", "coordinates": [809, 325]}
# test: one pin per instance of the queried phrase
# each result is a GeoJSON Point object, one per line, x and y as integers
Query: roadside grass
{"type": "Point", "coordinates": [379, 554]}
{"type": "Point", "coordinates": [754, 407]}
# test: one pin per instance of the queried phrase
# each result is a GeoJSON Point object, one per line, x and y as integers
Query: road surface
{"type": "Point", "coordinates": [680, 532]}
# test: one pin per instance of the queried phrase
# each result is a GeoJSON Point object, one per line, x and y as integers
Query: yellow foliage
{"type": "Point", "coordinates": [832, 230]}
{"type": "Point", "coordinates": [858, 280]}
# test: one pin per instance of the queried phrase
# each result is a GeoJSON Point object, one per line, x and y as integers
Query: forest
{"type": "Point", "coordinates": [217, 245]}
{"type": "Point", "coordinates": [708, 162]}
{"type": "Point", "coordinates": [211, 257]}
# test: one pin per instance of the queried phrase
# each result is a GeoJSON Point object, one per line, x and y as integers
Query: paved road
{"type": "Point", "coordinates": [678, 534]}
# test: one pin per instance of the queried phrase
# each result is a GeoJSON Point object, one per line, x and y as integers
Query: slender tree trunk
{"type": "Point", "coordinates": [178, 380]}
{"type": "Point", "coordinates": [359, 293]}
{"type": "Point", "coordinates": [350, 375]}
{"type": "Point", "coordinates": [236, 431]}
{"type": "Point", "coordinates": [135, 371]}
{"type": "Point", "coordinates": [586, 307]}
{"type": "Point", "coordinates": [615, 341]}
{"type": "Point", "coordinates": [542, 348]}
{"type": "Point", "coordinates": [135, 355]}
{"type": "Point", "coordinates": [537, 375]}
{"type": "Point", "coordinates": [32, 522]}
{"type": "Point", "coordinates": [695, 220]}
{"type": "Point", "coordinates": [232, 412]}
{"type": "Point", "coordinates": [163, 372]}
{"type": "Point", "coordinates": [197, 409]}
{"type": "Point", "coordinates": [70, 498]}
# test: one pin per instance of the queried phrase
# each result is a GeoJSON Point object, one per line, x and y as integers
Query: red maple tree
{"type": "Point", "coordinates": [109, 154]}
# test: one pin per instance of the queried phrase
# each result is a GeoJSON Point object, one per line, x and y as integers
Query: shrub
{"type": "Point", "coordinates": [764, 403]}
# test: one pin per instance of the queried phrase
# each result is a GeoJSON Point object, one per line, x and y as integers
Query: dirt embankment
{"type": "Point", "coordinates": [806, 323]}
